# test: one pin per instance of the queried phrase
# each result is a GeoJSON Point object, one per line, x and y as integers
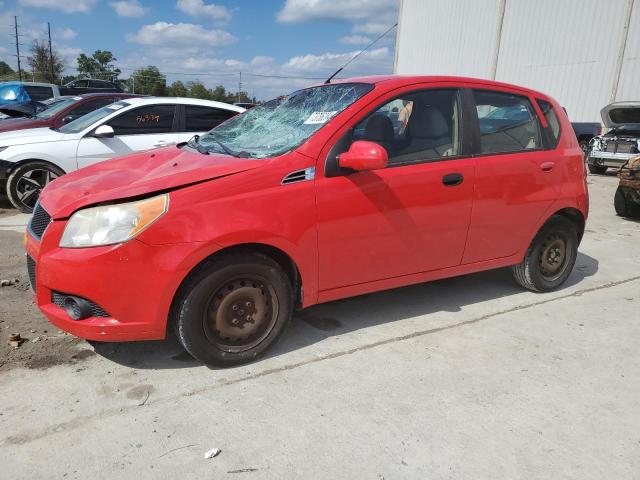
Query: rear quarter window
{"type": "Point", "coordinates": [553, 129]}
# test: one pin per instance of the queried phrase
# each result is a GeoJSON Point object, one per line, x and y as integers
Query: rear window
{"type": "Point", "coordinates": [39, 93]}
{"type": "Point", "coordinates": [203, 119]}
{"type": "Point", "coordinates": [552, 121]}
{"type": "Point", "coordinates": [507, 122]}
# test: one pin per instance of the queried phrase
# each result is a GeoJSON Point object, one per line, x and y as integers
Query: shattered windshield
{"type": "Point", "coordinates": [281, 124]}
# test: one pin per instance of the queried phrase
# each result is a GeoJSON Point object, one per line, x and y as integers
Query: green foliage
{"type": "Point", "coordinates": [5, 69]}
{"type": "Point", "coordinates": [40, 63]}
{"type": "Point", "coordinates": [177, 89]}
{"type": "Point", "coordinates": [148, 81]}
{"type": "Point", "coordinates": [99, 65]}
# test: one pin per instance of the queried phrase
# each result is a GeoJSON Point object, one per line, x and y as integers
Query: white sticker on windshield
{"type": "Point", "coordinates": [115, 106]}
{"type": "Point", "coordinates": [319, 117]}
{"type": "Point", "coordinates": [77, 98]}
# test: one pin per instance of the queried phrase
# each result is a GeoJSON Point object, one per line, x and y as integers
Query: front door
{"type": "Point", "coordinates": [410, 217]}
{"type": "Point", "coordinates": [143, 128]}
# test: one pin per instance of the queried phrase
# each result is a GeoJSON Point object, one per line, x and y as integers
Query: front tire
{"type": "Point", "coordinates": [233, 309]}
{"type": "Point", "coordinates": [597, 169]}
{"type": "Point", "coordinates": [27, 181]}
{"type": "Point", "coordinates": [550, 257]}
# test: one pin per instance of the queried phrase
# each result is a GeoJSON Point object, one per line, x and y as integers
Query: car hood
{"type": "Point", "coordinates": [136, 175]}
{"type": "Point", "coordinates": [11, 124]}
{"type": "Point", "coordinates": [621, 113]}
{"type": "Point", "coordinates": [29, 135]}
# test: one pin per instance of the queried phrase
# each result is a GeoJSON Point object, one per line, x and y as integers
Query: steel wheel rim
{"type": "Point", "coordinates": [30, 184]}
{"type": "Point", "coordinates": [241, 313]}
{"type": "Point", "coordinates": [553, 256]}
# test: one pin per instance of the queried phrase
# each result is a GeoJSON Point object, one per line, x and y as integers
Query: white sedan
{"type": "Point", "coordinates": [29, 159]}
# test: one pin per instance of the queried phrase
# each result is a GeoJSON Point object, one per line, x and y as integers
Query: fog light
{"type": "Point", "coordinates": [77, 308]}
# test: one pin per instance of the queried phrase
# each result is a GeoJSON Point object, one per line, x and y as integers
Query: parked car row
{"type": "Point", "coordinates": [81, 130]}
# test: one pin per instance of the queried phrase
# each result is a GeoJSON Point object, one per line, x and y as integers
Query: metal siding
{"type": "Point", "coordinates": [567, 52]}
{"type": "Point", "coordinates": [564, 48]}
{"type": "Point", "coordinates": [456, 37]}
{"type": "Point", "coordinates": [629, 85]}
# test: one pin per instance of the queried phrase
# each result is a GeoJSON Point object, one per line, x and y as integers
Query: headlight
{"type": "Point", "coordinates": [596, 143]}
{"type": "Point", "coordinates": [111, 224]}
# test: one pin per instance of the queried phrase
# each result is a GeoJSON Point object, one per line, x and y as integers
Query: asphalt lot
{"type": "Point", "coordinates": [464, 378]}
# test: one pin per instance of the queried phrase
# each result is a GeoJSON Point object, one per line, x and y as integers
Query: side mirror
{"type": "Point", "coordinates": [67, 118]}
{"type": "Point", "coordinates": [363, 155]}
{"type": "Point", "coordinates": [103, 131]}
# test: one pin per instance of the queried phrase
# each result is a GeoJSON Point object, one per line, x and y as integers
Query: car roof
{"type": "Point", "coordinates": [30, 84]}
{"type": "Point", "coordinates": [106, 94]}
{"type": "Point", "coordinates": [393, 81]}
{"type": "Point", "coordinates": [183, 101]}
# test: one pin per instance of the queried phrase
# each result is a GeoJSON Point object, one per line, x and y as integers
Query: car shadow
{"type": "Point", "coordinates": [318, 323]}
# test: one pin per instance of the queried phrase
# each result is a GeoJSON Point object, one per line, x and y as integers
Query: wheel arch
{"type": "Point", "coordinates": [281, 257]}
{"type": "Point", "coordinates": [575, 216]}
{"type": "Point", "coordinates": [22, 162]}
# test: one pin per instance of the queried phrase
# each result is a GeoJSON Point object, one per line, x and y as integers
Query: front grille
{"type": "Point", "coordinates": [621, 147]}
{"type": "Point", "coordinates": [31, 268]}
{"type": "Point", "coordinates": [58, 298]}
{"type": "Point", "coordinates": [39, 221]}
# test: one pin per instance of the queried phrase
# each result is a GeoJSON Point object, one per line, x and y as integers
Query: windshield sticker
{"type": "Point", "coordinates": [115, 106]}
{"type": "Point", "coordinates": [77, 98]}
{"type": "Point", "coordinates": [319, 117]}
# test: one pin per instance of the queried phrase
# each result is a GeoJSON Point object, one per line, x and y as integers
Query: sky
{"type": "Point", "coordinates": [212, 41]}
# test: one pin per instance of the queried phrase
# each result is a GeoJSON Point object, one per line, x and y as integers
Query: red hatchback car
{"type": "Point", "coordinates": [333, 191]}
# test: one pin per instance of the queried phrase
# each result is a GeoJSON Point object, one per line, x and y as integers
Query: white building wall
{"type": "Point", "coordinates": [564, 48]}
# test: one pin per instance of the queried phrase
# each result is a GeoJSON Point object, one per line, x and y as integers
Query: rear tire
{"type": "Point", "coordinates": [27, 181]}
{"type": "Point", "coordinates": [233, 309]}
{"type": "Point", "coordinates": [550, 257]}
{"type": "Point", "coordinates": [621, 204]}
{"type": "Point", "coordinates": [597, 169]}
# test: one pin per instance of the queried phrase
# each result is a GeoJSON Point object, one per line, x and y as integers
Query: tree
{"type": "Point", "coordinates": [148, 81]}
{"type": "Point", "coordinates": [99, 65]}
{"type": "Point", "coordinates": [219, 94]}
{"type": "Point", "coordinates": [198, 90]}
{"type": "Point", "coordinates": [5, 69]}
{"type": "Point", "coordinates": [177, 89]}
{"type": "Point", "coordinates": [41, 64]}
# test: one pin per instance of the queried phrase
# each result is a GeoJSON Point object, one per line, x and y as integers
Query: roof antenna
{"type": "Point", "coordinates": [360, 53]}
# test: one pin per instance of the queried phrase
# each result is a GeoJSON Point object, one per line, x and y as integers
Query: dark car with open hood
{"type": "Point", "coordinates": [621, 142]}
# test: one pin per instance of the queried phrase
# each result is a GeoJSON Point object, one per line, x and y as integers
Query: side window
{"type": "Point", "coordinates": [552, 120]}
{"type": "Point", "coordinates": [416, 127]}
{"type": "Point", "coordinates": [203, 119]}
{"type": "Point", "coordinates": [508, 123]}
{"type": "Point", "coordinates": [90, 106]}
{"type": "Point", "coordinates": [39, 93]}
{"type": "Point", "coordinates": [147, 119]}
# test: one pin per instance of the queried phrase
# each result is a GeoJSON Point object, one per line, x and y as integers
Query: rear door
{"type": "Point", "coordinates": [141, 128]}
{"type": "Point", "coordinates": [410, 217]}
{"type": "Point", "coordinates": [517, 179]}
{"type": "Point", "coordinates": [200, 119]}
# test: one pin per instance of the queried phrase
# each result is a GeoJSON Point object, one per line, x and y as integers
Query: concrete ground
{"type": "Point", "coordinates": [467, 378]}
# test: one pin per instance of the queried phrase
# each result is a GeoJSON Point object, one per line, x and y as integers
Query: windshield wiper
{"type": "Point", "coordinates": [226, 149]}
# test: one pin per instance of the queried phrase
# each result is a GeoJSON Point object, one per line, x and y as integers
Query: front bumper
{"type": "Point", "coordinates": [134, 282]}
{"type": "Point", "coordinates": [608, 159]}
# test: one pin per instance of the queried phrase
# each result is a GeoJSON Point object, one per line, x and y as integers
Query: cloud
{"type": "Point", "coordinates": [374, 61]}
{"type": "Point", "coordinates": [372, 28]}
{"type": "Point", "coordinates": [131, 8]}
{"type": "Point", "coordinates": [66, 6]}
{"type": "Point", "coordinates": [355, 40]}
{"type": "Point", "coordinates": [180, 34]}
{"type": "Point", "coordinates": [197, 8]}
{"type": "Point", "coordinates": [65, 34]}
{"type": "Point", "coordinates": [297, 11]}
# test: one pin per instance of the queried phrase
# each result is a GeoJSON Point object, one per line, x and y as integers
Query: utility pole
{"type": "Point", "coordinates": [239, 86]}
{"type": "Point", "coordinates": [53, 75]}
{"type": "Point", "coordinates": [15, 25]}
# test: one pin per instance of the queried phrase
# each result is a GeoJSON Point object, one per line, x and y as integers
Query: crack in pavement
{"type": "Point", "coordinates": [29, 436]}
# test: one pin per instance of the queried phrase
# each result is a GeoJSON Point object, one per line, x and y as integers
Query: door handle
{"type": "Point", "coordinates": [547, 166]}
{"type": "Point", "coordinates": [452, 179]}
